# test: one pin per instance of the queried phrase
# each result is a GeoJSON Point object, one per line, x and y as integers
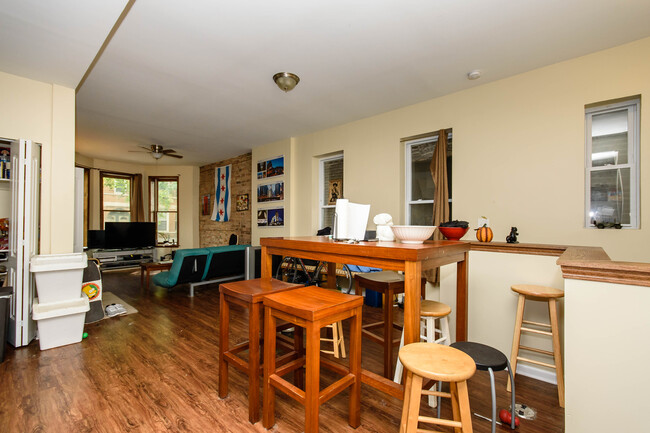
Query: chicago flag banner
{"type": "Point", "coordinates": [221, 210]}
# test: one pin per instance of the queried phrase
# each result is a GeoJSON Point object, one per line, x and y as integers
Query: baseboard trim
{"type": "Point", "coordinates": [537, 373]}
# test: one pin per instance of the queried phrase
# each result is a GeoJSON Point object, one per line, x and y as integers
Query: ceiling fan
{"type": "Point", "coordinates": [157, 151]}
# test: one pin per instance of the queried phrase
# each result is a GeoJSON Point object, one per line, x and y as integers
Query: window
{"type": "Point", "coordinates": [331, 188]}
{"type": "Point", "coordinates": [116, 198]}
{"type": "Point", "coordinates": [163, 205]}
{"type": "Point", "coordinates": [420, 189]}
{"type": "Point", "coordinates": [612, 165]}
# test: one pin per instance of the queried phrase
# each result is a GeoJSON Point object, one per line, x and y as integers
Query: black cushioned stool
{"type": "Point", "coordinates": [489, 359]}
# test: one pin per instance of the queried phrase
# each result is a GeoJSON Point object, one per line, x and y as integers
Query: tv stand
{"type": "Point", "coordinates": [114, 259]}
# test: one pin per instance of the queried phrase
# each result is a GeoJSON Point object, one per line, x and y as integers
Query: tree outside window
{"type": "Point", "coordinates": [116, 198]}
{"type": "Point", "coordinates": [163, 195]}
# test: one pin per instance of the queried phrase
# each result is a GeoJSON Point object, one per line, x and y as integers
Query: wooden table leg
{"type": "Point", "coordinates": [224, 315]}
{"type": "Point", "coordinates": [267, 264]}
{"type": "Point", "coordinates": [354, 415]}
{"type": "Point", "coordinates": [388, 334]}
{"type": "Point", "coordinates": [412, 286]}
{"type": "Point", "coordinates": [269, 368]}
{"type": "Point", "coordinates": [331, 275]}
{"type": "Point", "coordinates": [461, 298]}
{"type": "Point", "coordinates": [312, 377]}
{"type": "Point", "coordinates": [254, 363]}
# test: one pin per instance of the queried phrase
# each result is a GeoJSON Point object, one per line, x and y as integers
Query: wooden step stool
{"type": "Point", "coordinates": [544, 294]}
{"type": "Point", "coordinates": [312, 308]}
{"type": "Point", "coordinates": [248, 294]}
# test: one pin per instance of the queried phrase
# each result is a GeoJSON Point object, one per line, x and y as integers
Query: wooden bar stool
{"type": "Point", "coordinates": [440, 363]}
{"type": "Point", "coordinates": [312, 308]}
{"type": "Point", "coordinates": [389, 284]}
{"type": "Point", "coordinates": [544, 294]}
{"type": "Point", "coordinates": [247, 294]}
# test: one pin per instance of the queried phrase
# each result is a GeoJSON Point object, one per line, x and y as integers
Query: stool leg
{"type": "Point", "coordinates": [464, 410]}
{"type": "Point", "coordinates": [493, 393]}
{"type": "Point", "coordinates": [414, 402]}
{"type": "Point", "coordinates": [521, 303]}
{"type": "Point", "coordinates": [312, 376]}
{"type": "Point", "coordinates": [341, 341]}
{"type": "Point", "coordinates": [430, 333]}
{"type": "Point", "coordinates": [298, 347]}
{"type": "Point", "coordinates": [407, 402]}
{"type": "Point", "coordinates": [444, 330]}
{"type": "Point", "coordinates": [399, 368]}
{"type": "Point", "coordinates": [439, 398]}
{"type": "Point", "coordinates": [354, 416]}
{"type": "Point", "coordinates": [224, 315]}
{"type": "Point", "coordinates": [269, 368]}
{"type": "Point", "coordinates": [455, 405]}
{"type": "Point", "coordinates": [335, 340]}
{"type": "Point", "coordinates": [254, 363]}
{"type": "Point", "coordinates": [512, 396]}
{"type": "Point", "coordinates": [557, 353]}
{"type": "Point", "coordinates": [388, 333]}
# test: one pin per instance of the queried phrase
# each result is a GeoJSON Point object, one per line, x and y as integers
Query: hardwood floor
{"type": "Point", "coordinates": [157, 371]}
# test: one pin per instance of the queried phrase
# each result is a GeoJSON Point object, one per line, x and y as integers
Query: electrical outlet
{"type": "Point", "coordinates": [483, 221]}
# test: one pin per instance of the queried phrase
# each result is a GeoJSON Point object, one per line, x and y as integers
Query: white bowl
{"type": "Point", "coordinates": [413, 234]}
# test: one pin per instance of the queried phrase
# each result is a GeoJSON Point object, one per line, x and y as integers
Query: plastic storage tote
{"type": "Point", "coordinates": [60, 323]}
{"type": "Point", "coordinates": [58, 276]}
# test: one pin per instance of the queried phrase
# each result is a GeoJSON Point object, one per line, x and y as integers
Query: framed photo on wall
{"type": "Point", "coordinates": [262, 218]}
{"type": "Point", "coordinates": [242, 202]}
{"type": "Point", "coordinates": [270, 167]}
{"type": "Point", "coordinates": [334, 191]}
{"type": "Point", "coordinates": [270, 192]}
{"type": "Point", "coordinates": [276, 217]}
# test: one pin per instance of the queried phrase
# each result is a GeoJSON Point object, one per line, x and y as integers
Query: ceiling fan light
{"type": "Point", "coordinates": [157, 155]}
{"type": "Point", "coordinates": [286, 80]}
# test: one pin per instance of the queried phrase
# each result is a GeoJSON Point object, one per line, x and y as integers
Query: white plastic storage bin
{"type": "Point", "coordinates": [60, 323]}
{"type": "Point", "coordinates": [58, 276]}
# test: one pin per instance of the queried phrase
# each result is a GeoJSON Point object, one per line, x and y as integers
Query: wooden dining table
{"type": "Point", "coordinates": [412, 259]}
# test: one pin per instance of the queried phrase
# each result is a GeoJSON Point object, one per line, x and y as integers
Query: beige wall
{"type": "Point", "coordinates": [188, 193]}
{"type": "Point", "coordinates": [45, 114]}
{"type": "Point", "coordinates": [606, 357]}
{"type": "Point", "coordinates": [518, 154]}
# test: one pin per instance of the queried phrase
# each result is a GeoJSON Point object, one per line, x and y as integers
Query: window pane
{"type": "Point", "coordinates": [609, 138]}
{"type": "Point", "coordinates": [167, 195]}
{"type": "Point", "coordinates": [327, 217]}
{"type": "Point", "coordinates": [422, 187]}
{"type": "Point", "coordinates": [610, 196]}
{"type": "Point", "coordinates": [117, 217]}
{"type": "Point", "coordinates": [422, 214]}
{"type": "Point", "coordinates": [167, 228]}
{"type": "Point", "coordinates": [116, 194]}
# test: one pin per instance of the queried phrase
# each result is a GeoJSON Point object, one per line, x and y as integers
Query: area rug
{"type": "Point", "coordinates": [109, 298]}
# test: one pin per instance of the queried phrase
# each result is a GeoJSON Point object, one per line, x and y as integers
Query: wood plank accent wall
{"type": "Point", "coordinates": [578, 263]}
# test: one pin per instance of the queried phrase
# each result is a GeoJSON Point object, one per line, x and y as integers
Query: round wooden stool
{"type": "Point", "coordinates": [488, 359]}
{"type": "Point", "coordinates": [248, 294]}
{"type": "Point", "coordinates": [312, 308]}
{"type": "Point", "coordinates": [389, 284]}
{"type": "Point", "coordinates": [544, 294]}
{"type": "Point", "coordinates": [440, 363]}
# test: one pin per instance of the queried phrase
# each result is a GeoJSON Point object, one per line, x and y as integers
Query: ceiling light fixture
{"type": "Point", "coordinates": [474, 75]}
{"type": "Point", "coordinates": [286, 80]}
{"type": "Point", "coordinates": [156, 151]}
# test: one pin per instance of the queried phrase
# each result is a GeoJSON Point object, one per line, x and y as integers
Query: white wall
{"type": "Point", "coordinates": [518, 153]}
{"type": "Point", "coordinates": [45, 114]}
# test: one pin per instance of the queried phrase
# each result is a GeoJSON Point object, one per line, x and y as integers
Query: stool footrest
{"type": "Point", "coordinates": [373, 325]}
{"type": "Point", "coordinates": [290, 366]}
{"type": "Point", "coordinates": [372, 337]}
{"type": "Point", "coordinates": [545, 325]}
{"type": "Point", "coordinates": [536, 331]}
{"type": "Point", "coordinates": [534, 349]}
{"type": "Point", "coordinates": [288, 388]}
{"type": "Point", "coordinates": [436, 393]}
{"type": "Point", "coordinates": [335, 367]}
{"type": "Point", "coordinates": [236, 362]}
{"type": "Point", "coordinates": [335, 388]}
{"type": "Point", "coordinates": [438, 421]}
{"type": "Point", "coordinates": [532, 361]}
{"type": "Point", "coordinates": [239, 347]}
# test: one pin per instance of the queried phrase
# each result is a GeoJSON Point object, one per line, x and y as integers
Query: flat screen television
{"type": "Point", "coordinates": [129, 235]}
{"type": "Point", "coordinates": [96, 239]}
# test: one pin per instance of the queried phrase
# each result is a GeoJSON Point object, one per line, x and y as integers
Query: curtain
{"type": "Point", "coordinates": [438, 170]}
{"type": "Point", "coordinates": [137, 204]}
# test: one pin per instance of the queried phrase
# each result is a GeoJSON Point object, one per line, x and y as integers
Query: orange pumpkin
{"type": "Point", "coordinates": [484, 234]}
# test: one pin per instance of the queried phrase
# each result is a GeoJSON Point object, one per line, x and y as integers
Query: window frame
{"type": "Point", "coordinates": [321, 187]}
{"type": "Point", "coordinates": [112, 175]}
{"type": "Point", "coordinates": [632, 106]}
{"type": "Point", "coordinates": [153, 212]}
{"type": "Point", "coordinates": [409, 142]}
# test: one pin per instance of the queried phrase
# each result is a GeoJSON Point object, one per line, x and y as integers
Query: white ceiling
{"type": "Point", "coordinates": [196, 76]}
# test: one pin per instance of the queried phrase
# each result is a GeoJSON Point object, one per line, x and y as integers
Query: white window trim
{"type": "Point", "coordinates": [633, 143]}
{"type": "Point", "coordinates": [321, 188]}
{"type": "Point", "coordinates": [408, 178]}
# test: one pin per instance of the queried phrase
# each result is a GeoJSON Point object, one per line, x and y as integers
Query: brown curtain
{"type": "Point", "coordinates": [438, 169]}
{"type": "Point", "coordinates": [137, 204]}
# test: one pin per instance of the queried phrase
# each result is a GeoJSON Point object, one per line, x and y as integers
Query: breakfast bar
{"type": "Point", "coordinates": [412, 259]}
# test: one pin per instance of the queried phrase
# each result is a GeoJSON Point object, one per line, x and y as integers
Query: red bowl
{"type": "Point", "coordinates": [453, 233]}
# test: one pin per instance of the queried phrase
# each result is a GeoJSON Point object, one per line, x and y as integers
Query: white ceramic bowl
{"type": "Point", "coordinates": [413, 234]}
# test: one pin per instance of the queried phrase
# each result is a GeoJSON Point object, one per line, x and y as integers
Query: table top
{"type": "Point", "coordinates": [156, 265]}
{"type": "Point", "coordinates": [317, 247]}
